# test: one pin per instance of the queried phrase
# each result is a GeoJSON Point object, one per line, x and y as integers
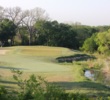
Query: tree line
{"type": "Point", "coordinates": [15, 19]}
{"type": "Point", "coordinates": [98, 42]}
{"type": "Point", "coordinates": [34, 27]}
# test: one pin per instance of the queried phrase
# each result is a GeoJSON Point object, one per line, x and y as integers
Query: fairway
{"type": "Point", "coordinates": [40, 60]}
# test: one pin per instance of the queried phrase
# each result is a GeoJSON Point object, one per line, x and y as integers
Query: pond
{"type": "Point", "coordinates": [89, 74]}
{"type": "Point", "coordinates": [94, 75]}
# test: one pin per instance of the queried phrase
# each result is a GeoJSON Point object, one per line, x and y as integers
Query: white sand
{"type": "Point", "coordinates": [3, 52]}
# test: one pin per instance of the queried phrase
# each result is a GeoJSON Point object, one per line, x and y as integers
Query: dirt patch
{"type": "Point", "coordinates": [60, 78]}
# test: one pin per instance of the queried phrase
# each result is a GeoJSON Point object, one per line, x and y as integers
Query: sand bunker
{"type": "Point", "coordinates": [3, 52]}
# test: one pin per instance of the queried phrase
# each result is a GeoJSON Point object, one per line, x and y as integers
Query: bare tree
{"type": "Point", "coordinates": [15, 14]}
{"type": "Point", "coordinates": [26, 18]}
{"type": "Point", "coordinates": [1, 13]}
{"type": "Point", "coordinates": [32, 16]}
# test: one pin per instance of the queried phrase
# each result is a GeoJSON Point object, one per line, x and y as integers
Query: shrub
{"type": "Point", "coordinates": [3, 93]}
{"type": "Point", "coordinates": [36, 88]}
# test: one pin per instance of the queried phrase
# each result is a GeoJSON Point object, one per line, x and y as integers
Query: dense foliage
{"type": "Point", "coordinates": [90, 44]}
{"type": "Point", "coordinates": [56, 34]}
{"type": "Point", "coordinates": [7, 31]}
{"type": "Point", "coordinates": [33, 27]}
{"type": "Point", "coordinates": [103, 42]}
{"type": "Point", "coordinates": [99, 42]}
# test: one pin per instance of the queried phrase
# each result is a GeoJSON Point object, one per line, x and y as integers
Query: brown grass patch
{"type": "Point", "coordinates": [60, 78]}
{"type": "Point", "coordinates": [5, 73]}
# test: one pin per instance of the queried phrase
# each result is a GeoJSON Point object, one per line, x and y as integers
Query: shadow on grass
{"type": "Point", "coordinates": [82, 85]}
{"type": "Point", "coordinates": [4, 67]}
{"type": "Point", "coordinates": [76, 57]}
{"type": "Point", "coordinates": [9, 85]}
{"type": "Point", "coordinates": [7, 82]}
{"type": "Point", "coordinates": [90, 88]}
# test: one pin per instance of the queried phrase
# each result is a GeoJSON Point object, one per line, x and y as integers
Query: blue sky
{"type": "Point", "coordinates": [87, 12]}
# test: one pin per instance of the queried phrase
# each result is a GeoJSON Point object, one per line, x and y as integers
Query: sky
{"type": "Point", "coordinates": [87, 12]}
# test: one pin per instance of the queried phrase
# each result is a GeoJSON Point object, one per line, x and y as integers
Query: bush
{"type": "Point", "coordinates": [36, 88]}
{"type": "Point", "coordinates": [3, 93]}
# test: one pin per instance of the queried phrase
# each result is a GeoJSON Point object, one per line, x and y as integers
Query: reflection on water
{"type": "Point", "coordinates": [89, 74]}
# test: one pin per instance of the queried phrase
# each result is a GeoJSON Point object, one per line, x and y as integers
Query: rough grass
{"type": "Point", "coordinates": [41, 60]}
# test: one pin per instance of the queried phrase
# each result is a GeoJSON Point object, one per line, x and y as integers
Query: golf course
{"type": "Point", "coordinates": [42, 61]}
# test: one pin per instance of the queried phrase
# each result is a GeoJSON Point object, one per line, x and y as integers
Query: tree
{"type": "Point", "coordinates": [82, 33]}
{"type": "Point", "coordinates": [1, 13]}
{"type": "Point", "coordinates": [66, 36]}
{"type": "Point", "coordinates": [90, 44]}
{"type": "Point", "coordinates": [15, 14]}
{"type": "Point", "coordinates": [7, 31]}
{"type": "Point", "coordinates": [23, 34]}
{"type": "Point", "coordinates": [32, 16]}
{"type": "Point", "coordinates": [52, 33]}
{"type": "Point", "coordinates": [102, 28]}
{"type": "Point", "coordinates": [103, 42]}
{"type": "Point", "coordinates": [43, 33]}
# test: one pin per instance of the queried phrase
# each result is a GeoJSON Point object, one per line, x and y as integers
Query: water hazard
{"type": "Point", "coordinates": [89, 74]}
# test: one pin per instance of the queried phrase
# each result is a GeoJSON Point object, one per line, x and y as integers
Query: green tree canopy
{"type": "Point", "coordinates": [7, 31]}
{"type": "Point", "coordinates": [103, 41]}
{"type": "Point", "coordinates": [53, 33]}
{"type": "Point", "coordinates": [90, 44]}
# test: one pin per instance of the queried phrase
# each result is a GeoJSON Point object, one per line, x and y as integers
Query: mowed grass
{"type": "Point", "coordinates": [41, 51]}
{"type": "Point", "coordinates": [44, 51]}
{"type": "Point", "coordinates": [41, 60]}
